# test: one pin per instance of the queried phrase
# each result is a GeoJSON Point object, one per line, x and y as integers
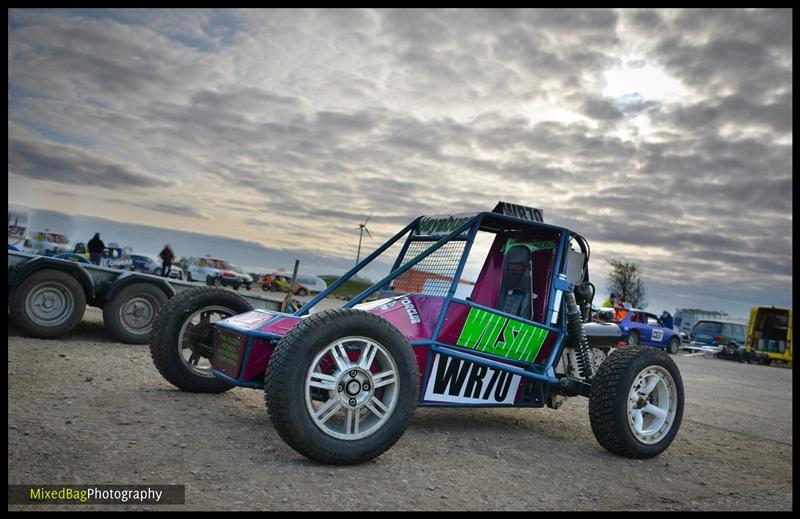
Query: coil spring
{"type": "Point", "coordinates": [575, 328]}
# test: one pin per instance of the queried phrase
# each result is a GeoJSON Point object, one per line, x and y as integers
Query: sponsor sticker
{"type": "Point", "coordinates": [228, 352]}
{"type": "Point", "coordinates": [442, 225]}
{"type": "Point", "coordinates": [460, 381]}
{"type": "Point", "coordinates": [502, 336]}
{"type": "Point", "coordinates": [411, 310]}
{"type": "Point", "coordinates": [658, 335]}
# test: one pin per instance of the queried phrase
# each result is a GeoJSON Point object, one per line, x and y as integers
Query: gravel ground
{"type": "Point", "coordinates": [88, 410]}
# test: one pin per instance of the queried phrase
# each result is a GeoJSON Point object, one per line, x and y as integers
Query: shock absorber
{"type": "Point", "coordinates": [578, 334]}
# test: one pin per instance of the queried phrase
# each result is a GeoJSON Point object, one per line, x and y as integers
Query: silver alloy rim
{"type": "Point", "coordinates": [198, 326]}
{"type": "Point", "coordinates": [351, 399]}
{"type": "Point", "coordinates": [652, 404]}
{"type": "Point", "coordinates": [632, 340]}
{"type": "Point", "coordinates": [138, 314]}
{"type": "Point", "coordinates": [49, 304]}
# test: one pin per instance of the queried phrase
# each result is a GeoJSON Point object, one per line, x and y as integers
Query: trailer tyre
{"type": "Point", "coordinates": [47, 304]}
{"type": "Point", "coordinates": [181, 344]}
{"type": "Point", "coordinates": [636, 402]}
{"type": "Point", "coordinates": [341, 386]}
{"type": "Point", "coordinates": [131, 314]}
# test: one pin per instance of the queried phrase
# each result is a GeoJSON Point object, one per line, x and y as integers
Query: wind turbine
{"type": "Point", "coordinates": [363, 228]}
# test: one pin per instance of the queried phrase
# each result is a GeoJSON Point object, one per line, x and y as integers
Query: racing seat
{"type": "Point", "coordinates": [516, 287]}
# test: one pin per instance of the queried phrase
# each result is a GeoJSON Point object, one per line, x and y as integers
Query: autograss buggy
{"type": "Point", "coordinates": [341, 384]}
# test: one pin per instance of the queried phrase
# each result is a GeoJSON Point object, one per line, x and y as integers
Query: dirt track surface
{"type": "Point", "coordinates": [87, 410]}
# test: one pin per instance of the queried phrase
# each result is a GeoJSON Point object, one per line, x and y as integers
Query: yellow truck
{"type": "Point", "coordinates": [769, 334]}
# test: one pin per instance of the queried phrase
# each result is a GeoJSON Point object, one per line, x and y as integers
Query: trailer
{"type": "Point", "coordinates": [47, 297]}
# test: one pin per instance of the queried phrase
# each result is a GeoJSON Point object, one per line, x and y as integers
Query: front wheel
{"type": "Point", "coordinates": [341, 386]}
{"type": "Point", "coordinates": [636, 402]}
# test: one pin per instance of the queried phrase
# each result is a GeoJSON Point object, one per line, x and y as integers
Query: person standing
{"type": "Point", "coordinates": [166, 256]}
{"type": "Point", "coordinates": [96, 248]}
{"type": "Point", "coordinates": [666, 320]}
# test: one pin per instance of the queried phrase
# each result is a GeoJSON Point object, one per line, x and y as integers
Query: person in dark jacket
{"type": "Point", "coordinates": [166, 256]}
{"type": "Point", "coordinates": [666, 320]}
{"type": "Point", "coordinates": [96, 248]}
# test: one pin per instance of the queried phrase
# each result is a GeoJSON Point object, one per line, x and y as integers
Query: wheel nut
{"type": "Point", "coordinates": [365, 387]}
{"type": "Point", "coordinates": [340, 388]}
{"type": "Point", "coordinates": [353, 374]}
{"type": "Point", "coordinates": [352, 402]}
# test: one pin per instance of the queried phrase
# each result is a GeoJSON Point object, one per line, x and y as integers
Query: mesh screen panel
{"type": "Point", "coordinates": [433, 275]}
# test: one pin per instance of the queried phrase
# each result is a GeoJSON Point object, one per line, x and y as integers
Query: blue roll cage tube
{"type": "Point", "coordinates": [556, 307]}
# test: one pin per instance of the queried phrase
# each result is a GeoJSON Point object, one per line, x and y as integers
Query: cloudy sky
{"type": "Point", "coordinates": [664, 137]}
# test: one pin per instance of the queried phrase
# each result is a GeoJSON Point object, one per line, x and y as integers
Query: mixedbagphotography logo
{"type": "Point", "coordinates": [97, 494]}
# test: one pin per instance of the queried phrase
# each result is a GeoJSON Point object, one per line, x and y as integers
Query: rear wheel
{"type": "Point", "coordinates": [182, 342]}
{"type": "Point", "coordinates": [341, 386]}
{"type": "Point", "coordinates": [132, 312]}
{"type": "Point", "coordinates": [633, 338]}
{"type": "Point", "coordinates": [48, 303]}
{"type": "Point", "coordinates": [636, 402]}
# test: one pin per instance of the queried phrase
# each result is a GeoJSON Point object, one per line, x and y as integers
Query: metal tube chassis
{"type": "Point", "coordinates": [542, 375]}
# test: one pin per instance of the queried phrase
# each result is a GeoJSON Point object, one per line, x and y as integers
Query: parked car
{"type": "Point", "coordinates": [313, 284]}
{"type": "Point", "coordinates": [640, 327]}
{"type": "Point", "coordinates": [49, 243]}
{"type": "Point", "coordinates": [282, 283]}
{"type": "Point", "coordinates": [144, 263]}
{"type": "Point", "coordinates": [151, 265]}
{"type": "Point", "coordinates": [245, 278]}
{"type": "Point", "coordinates": [729, 336]}
{"type": "Point", "coordinates": [212, 271]}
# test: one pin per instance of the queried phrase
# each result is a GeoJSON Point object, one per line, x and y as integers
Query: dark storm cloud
{"type": "Point", "coordinates": [735, 110]}
{"type": "Point", "coordinates": [648, 21]}
{"type": "Point", "coordinates": [181, 210]}
{"type": "Point", "coordinates": [717, 50]}
{"type": "Point", "coordinates": [597, 108]}
{"type": "Point", "coordinates": [44, 160]}
{"type": "Point", "coordinates": [160, 207]}
{"type": "Point", "coordinates": [308, 120]}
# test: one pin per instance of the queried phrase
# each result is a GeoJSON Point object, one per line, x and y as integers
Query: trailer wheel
{"type": "Point", "coordinates": [47, 304]}
{"type": "Point", "coordinates": [131, 314]}
{"type": "Point", "coordinates": [181, 344]}
{"type": "Point", "coordinates": [341, 386]}
{"type": "Point", "coordinates": [636, 402]}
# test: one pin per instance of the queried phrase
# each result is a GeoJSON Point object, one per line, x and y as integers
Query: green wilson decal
{"type": "Point", "coordinates": [498, 335]}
